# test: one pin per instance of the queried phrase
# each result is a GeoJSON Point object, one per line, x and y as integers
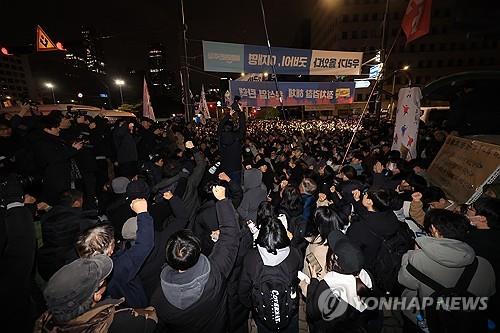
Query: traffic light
{"type": "Point", "coordinates": [5, 51]}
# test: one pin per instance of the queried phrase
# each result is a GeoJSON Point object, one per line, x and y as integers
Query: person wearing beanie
{"type": "Point", "coordinates": [119, 185]}
{"type": "Point", "coordinates": [17, 256]}
{"type": "Point", "coordinates": [345, 281]}
{"type": "Point", "coordinates": [76, 303]}
{"type": "Point", "coordinates": [125, 281]}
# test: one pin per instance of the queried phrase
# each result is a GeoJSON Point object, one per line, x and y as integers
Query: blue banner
{"type": "Point", "coordinates": [237, 58]}
{"type": "Point", "coordinates": [292, 93]}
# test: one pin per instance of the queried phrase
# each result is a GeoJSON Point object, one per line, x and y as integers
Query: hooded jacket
{"type": "Point", "coordinates": [195, 300]}
{"type": "Point", "coordinates": [254, 193]}
{"type": "Point", "coordinates": [256, 258]}
{"type": "Point", "coordinates": [444, 260]}
{"type": "Point", "coordinates": [384, 224]}
{"type": "Point", "coordinates": [230, 143]}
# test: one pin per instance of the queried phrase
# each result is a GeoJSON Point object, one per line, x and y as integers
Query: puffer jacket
{"type": "Point", "coordinates": [444, 260]}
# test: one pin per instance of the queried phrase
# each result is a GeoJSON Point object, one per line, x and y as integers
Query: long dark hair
{"type": "Point", "coordinates": [326, 220]}
{"type": "Point", "coordinates": [272, 236]}
{"type": "Point", "coordinates": [265, 212]}
{"type": "Point", "coordinates": [291, 199]}
{"type": "Point", "coordinates": [331, 265]}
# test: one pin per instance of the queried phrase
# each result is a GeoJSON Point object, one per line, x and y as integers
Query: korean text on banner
{"type": "Point", "coordinates": [237, 58]}
{"type": "Point", "coordinates": [462, 166]}
{"type": "Point", "coordinates": [292, 93]}
{"type": "Point", "coordinates": [407, 121]}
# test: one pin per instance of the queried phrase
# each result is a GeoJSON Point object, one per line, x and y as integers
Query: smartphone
{"type": "Point", "coordinates": [303, 277]}
{"type": "Point", "coordinates": [313, 261]}
{"type": "Point", "coordinates": [251, 225]}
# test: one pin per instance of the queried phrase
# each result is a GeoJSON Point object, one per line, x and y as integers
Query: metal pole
{"type": "Point", "coordinates": [121, 93]}
{"type": "Point", "coordinates": [271, 60]}
{"type": "Point", "coordinates": [392, 95]}
{"type": "Point", "coordinates": [53, 95]}
{"type": "Point", "coordinates": [186, 82]}
{"type": "Point", "coordinates": [378, 100]}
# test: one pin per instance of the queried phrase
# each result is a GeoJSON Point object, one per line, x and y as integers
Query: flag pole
{"type": "Point", "coordinates": [186, 67]}
{"type": "Point", "coordinates": [383, 58]}
{"type": "Point", "coordinates": [270, 59]}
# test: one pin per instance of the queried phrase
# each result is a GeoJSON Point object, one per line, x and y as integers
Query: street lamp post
{"type": "Point", "coordinates": [51, 87]}
{"type": "Point", "coordinates": [120, 83]}
{"type": "Point", "coordinates": [405, 68]}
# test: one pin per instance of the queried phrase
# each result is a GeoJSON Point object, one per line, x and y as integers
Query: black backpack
{"type": "Point", "coordinates": [274, 296]}
{"type": "Point", "coordinates": [388, 261]}
{"type": "Point", "coordinates": [439, 317]}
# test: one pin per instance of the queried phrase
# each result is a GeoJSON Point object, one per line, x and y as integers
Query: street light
{"type": "Point", "coordinates": [51, 87]}
{"type": "Point", "coordinates": [404, 69]}
{"type": "Point", "coordinates": [120, 83]}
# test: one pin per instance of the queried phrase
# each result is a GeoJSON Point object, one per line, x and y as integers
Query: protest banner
{"type": "Point", "coordinates": [238, 58]}
{"type": "Point", "coordinates": [463, 166]}
{"type": "Point", "coordinates": [407, 121]}
{"type": "Point", "coordinates": [292, 93]}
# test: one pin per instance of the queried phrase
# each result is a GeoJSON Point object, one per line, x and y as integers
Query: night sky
{"type": "Point", "coordinates": [127, 28]}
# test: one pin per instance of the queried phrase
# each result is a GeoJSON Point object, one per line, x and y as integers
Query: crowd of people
{"type": "Point", "coordinates": [130, 225]}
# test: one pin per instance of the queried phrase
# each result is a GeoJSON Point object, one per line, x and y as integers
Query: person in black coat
{"type": "Point", "coordinates": [60, 229]}
{"type": "Point", "coordinates": [273, 250]}
{"type": "Point", "coordinates": [126, 149]}
{"type": "Point", "coordinates": [484, 215]}
{"type": "Point", "coordinates": [231, 137]}
{"type": "Point", "coordinates": [192, 296]}
{"type": "Point", "coordinates": [375, 220]}
{"type": "Point", "coordinates": [53, 159]}
{"type": "Point", "coordinates": [17, 258]}
{"type": "Point", "coordinates": [146, 139]}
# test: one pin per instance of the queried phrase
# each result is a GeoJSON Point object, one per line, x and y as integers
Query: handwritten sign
{"type": "Point", "coordinates": [462, 166]}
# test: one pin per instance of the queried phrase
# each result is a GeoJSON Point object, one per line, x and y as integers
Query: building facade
{"type": "Point", "coordinates": [160, 80]}
{"type": "Point", "coordinates": [356, 25]}
{"type": "Point", "coordinates": [87, 56]}
{"type": "Point", "coordinates": [16, 82]}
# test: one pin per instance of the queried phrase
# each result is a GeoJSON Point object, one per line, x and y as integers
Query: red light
{"type": "Point", "coordinates": [60, 46]}
{"type": "Point", "coordinates": [4, 51]}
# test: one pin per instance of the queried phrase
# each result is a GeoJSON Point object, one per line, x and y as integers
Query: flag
{"type": "Point", "coordinates": [45, 43]}
{"type": "Point", "coordinates": [183, 96]}
{"type": "Point", "coordinates": [147, 108]}
{"type": "Point", "coordinates": [407, 121]}
{"type": "Point", "coordinates": [417, 20]}
{"type": "Point", "coordinates": [205, 114]}
{"type": "Point", "coordinates": [227, 98]}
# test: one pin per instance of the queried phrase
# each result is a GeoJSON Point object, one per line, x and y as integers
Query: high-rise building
{"type": "Point", "coordinates": [356, 25]}
{"type": "Point", "coordinates": [88, 56]}
{"type": "Point", "coordinates": [16, 82]}
{"type": "Point", "coordinates": [160, 80]}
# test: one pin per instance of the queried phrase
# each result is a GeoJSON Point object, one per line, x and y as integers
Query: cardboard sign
{"type": "Point", "coordinates": [463, 166]}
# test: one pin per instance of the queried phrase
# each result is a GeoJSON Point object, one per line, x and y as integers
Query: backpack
{"type": "Point", "coordinates": [439, 317]}
{"type": "Point", "coordinates": [388, 260]}
{"type": "Point", "coordinates": [274, 296]}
